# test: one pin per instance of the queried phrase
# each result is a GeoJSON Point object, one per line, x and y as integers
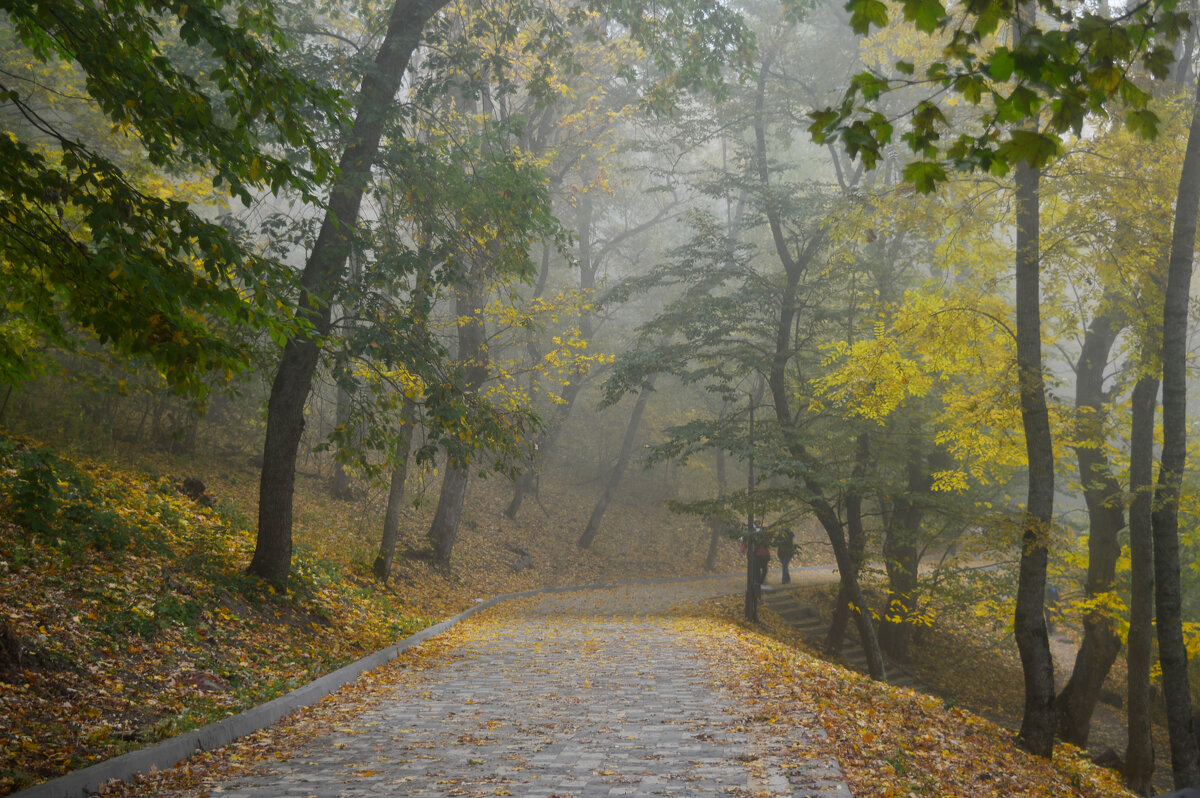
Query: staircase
{"type": "Point", "coordinates": [804, 619]}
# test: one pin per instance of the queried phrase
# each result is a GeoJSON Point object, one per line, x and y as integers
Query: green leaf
{"type": "Point", "coordinates": [927, 118]}
{"type": "Point", "coordinates": [1034, 148]}
{"type": "Point", "coordinates": [1158, 61]}
{"type": "Point", "coordinates": [1018, 106]}
{"type": "Point", "coordinates": [1000, 65]}
{"type": "Point", "coordinates": [823, 123]}
{"type": "Point", "coordinates": [1132, 96]}
{"type": "Point", "coordinates": [865, 13]}
{"type": "Point", "coordinates": [924, 175]}
{"type": "Point", "coordinates": [970, 87]}
{"type": "Point", "coordinates": [1143, 122]}
{"type": "Point", "coordinates": [1105, 79]}
{"type": "Point", "coordinates": [869, 85]}
{"type": "Point", "coordinates": [926, 15]}
{"type": "Point", "coordinates": [1067, 113]}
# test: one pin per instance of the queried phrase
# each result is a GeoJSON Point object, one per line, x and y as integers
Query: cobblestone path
{"type": "Point", "coordinates": [594, 694]}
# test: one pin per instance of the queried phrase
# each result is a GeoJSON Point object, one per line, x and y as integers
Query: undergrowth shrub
{"type": "Point", "coordinates": [57, 502]}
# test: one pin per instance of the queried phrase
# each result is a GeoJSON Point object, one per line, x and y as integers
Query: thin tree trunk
{"type": "Point", "coordinates": [841, 552]}
{"type": "Point", "coordinates": [901, 557]}
{"type": "Point", "coordinates": [716, 525]}
{"type": "Point", "coordinates": [1029, 623]}
{"type": "Point", "coordinates": [1139, 756]}
{"type": "Point", "coordinates": [339, 486]}
{"type": "Point", "coordinates": [548, 439]}
{"type": "Point", "coordinates": [293, 379]}
{"type": "Point", "coordinates": [526, 483]}
{"type": "Point", "coordinates": [1185, 759]}
{"type": "Point", "coordinates": [395, 504]}
{"type": "Point", "coordinates": [857, 541]}
{"type": "Point", "coordinates": [794, 268]}
{"type": "Point", "coordinates": [614, 479]}
{"type": "Point", "coordinates": [1106, 518]}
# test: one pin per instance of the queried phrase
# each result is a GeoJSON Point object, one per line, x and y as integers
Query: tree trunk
{"type": "Point", "coordinates": [443, 532]}
{"type": "Point", "coordinates": [339, 485]}
{"type": "Point", "coordinates": [794, 268]}
{"type": "Point", "coordinates": [901, 557]}
{"type": "Point", "coordinates": [849, 582]}
{"type": "Point", "coordinates": [470, 301]}
{"type": "Point", "coordinates": [293, 379]}
{"type": "Point", "coordinates": [1106, 518]}
{"type": "Point", "coordinates": [1029, 622]}
{"type": "Point", "coordinates": [841, 617]}
{"type": "Point", "coordinates": [614, 479]}
{"type": "Point", "coordinates": [716, 526]}
{"type": "Point", "coordinates": [547, 440]}
{"type": "Point", "coordinates": [1139, 756]}
{"type": "Point", "coordinates": [857, 541]}
{"type": "Point", "coordinates": [1185, 759]}
{"type": "Point", "coordinates": [395, 504]}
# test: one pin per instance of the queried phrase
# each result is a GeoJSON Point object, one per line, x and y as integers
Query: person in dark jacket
{"type": "Point", "coordinates": [785, 547]}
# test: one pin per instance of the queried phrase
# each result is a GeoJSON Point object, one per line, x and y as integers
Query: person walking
{"type": "Point", "coordinates": [785, 547]}
{"type": "Point", "coordinates": [762, 556]}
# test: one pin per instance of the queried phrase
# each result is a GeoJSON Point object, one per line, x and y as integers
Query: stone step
{"type": "Point", "coordinates": [804, 619]}
{"type": "Point", "coordinates": [794, 614]}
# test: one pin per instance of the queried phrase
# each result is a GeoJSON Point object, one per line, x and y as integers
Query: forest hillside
{"type": "Point", "coordinates": [131, 620]}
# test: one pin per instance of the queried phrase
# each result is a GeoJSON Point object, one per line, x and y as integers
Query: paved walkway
{"type": "Point", "coordinates": [592, 694]}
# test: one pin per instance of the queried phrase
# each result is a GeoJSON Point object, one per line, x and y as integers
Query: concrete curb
{"type": "Point", "coordinates": [164, 755]}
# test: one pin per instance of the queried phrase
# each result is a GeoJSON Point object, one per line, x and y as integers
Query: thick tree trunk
{"type": "Point", "coordinates": [614, 479]}
{"type": "Point", "coordinates": [293, 379]}
{"type": "Point", "coordinates": [470, 301]}
{"type": "Point", "coordinates": [1185, 759]}
{"type": "Point", "coordinates": [395, 504]}
{"type": "Point", "coordinates": [1029, 624]}
{"type": "Point", "coordinates": [836, 635]}
{"type": "Point", "coordinates": [1139, 756]}
{"type": "Point", "coordinates": [1106, 518]}
{"type": "Point", "coordinates": [443, 532]}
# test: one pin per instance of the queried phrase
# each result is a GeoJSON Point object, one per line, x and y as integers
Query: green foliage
{"type": "Point", "coordinates": [1079, 65]}
{"type": "Point", "coordinates": [95, 244]}
{"type": "Point", "coordinates": [58, 502]}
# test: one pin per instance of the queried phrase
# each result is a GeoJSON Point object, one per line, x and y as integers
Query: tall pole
{"type": "Point", "coordinates": [752, 585]}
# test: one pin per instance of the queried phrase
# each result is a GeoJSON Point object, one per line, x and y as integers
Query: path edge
{"type": "Point", "coordinates": [166, 754]}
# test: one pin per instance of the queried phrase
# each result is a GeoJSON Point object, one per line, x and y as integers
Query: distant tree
{"type": "Point", "coordinates": [588, 537]}
{"type": "Point", "coordinates": [683, 62]}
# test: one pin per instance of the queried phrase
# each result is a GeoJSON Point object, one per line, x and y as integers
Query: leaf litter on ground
{"type": "Point", "coordinates": [132, 621]}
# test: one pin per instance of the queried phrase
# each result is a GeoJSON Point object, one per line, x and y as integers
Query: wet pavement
{"type": "Point", "coordinates": [601, 693]}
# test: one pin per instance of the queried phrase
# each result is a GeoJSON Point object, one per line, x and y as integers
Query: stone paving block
{"type": "Point", "coordinates": [554, 706]}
